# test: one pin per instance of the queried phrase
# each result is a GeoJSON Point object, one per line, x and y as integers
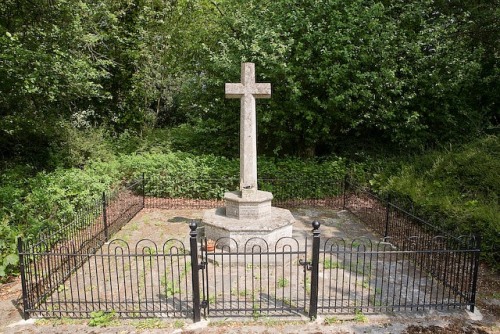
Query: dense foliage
{"type": "Point", "coordinates": [96, 92]}
{"type": "Point", "coordinates": [345, 75]}
{"type": "Point", "coordinates": [457, 189]}
{"type": "Point", "coordinates": [48, 200]}
{"type": "Point", "coordinates": [359, 73]}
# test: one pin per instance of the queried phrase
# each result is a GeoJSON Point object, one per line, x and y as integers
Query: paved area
{"type": "Point", "coordinates": [158, 225]}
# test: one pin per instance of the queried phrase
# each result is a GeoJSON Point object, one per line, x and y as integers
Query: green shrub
{"type": "Point", "coordinates": [102, 319]}
{"type": "Point", "coordinates": [456, 189]}
{"type": "Point", "coordinates": [208, 176]}
{"type": "Point", "coordinates": [9, 259]}
{"type": "Point", "coordinates": [76, 147]}
{"type": "Point", "coordinates": [48, 200]}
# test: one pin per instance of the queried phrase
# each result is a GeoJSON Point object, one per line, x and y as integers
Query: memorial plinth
{"type": "Point", "coordinates": [248, 205]}
{"type": "Point", "coordinates": [248, 212]}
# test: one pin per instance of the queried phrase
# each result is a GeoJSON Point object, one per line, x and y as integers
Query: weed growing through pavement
{"type": "Point", "coordinates": [283, 282]}
{"type": "Point", "coordinates": [359, 316]}
{"type": "Point", "coordinates": [329, 264]}
{"type": "Point", "coordinates": [149, 324]}
{"type": "Point", "coordinates": [102, 319]}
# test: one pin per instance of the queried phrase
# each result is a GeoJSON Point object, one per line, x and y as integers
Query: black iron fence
{"type": "Point", "coordinates": [256, 279]}
{"type": "Point", "coordinates": [163, 192]}
{"type": "Point", "coordinates": [50, 259]}
{"type": "Point", "coordinates": [371, 276]}
{"type": "Point", "coordinates": [445, 257]}
{"type": "Point", "coordinates": [77, 270]}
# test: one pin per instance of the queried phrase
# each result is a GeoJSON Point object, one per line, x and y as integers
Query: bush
{"type": "Point", "coordinates": [456, 189]}
{"type": "Point", "coordinates": [76, 147]}
{"type": "Point", "coordinates": [209, 176]}
{"type": "Point", "coordinates": [9, 259]}
{"type": "Point", "coordinates": [47, 200]}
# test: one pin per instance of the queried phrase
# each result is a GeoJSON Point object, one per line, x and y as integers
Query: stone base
{"type": "Point", "coordinates": [231, 232]}
{"type": "Point", "coordinates": [248, 204]}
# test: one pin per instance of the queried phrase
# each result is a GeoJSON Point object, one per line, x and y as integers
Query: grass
{"type": "Point", "coordinates": [212, 300]}
{"type": "Point", "coordinates": [179, 324]}
{"type": "Point", "coordinates": [134, 227]}
{"type": "Point", "coordinates": [102, 319]}
{"type": "Point", "coordinates": [268, 322]}
{"type": "Point", "coordinates": [149, 324]}
{"type": "Point", "coordinates": [307, 284]}
{"type": "Point", "coordinates": [355, 244]}
{"type": "Point", "coordinates": [256, 309]}
{"type": "Point", "coordinates": [365, 284]}
{"type": "Point", "coordinates": [283, 282]}
{"type": "Point", "coordinates": [329, 264]}
{"type": "Point", "coordinates": [375, 301]}
{"type": "Point", "coordinates": [171, 288]}
{"type": "Point", "coordinates": [360, 268]}
{"type": "Point", "coordinates": [241, 293]}
{"type": "Point", "coordinates": [455, 189]}
{"type": "Point", "coordinates": [59, 322]}
{"type": "Point", "coordinates": [359, 316]}
{"type": "Point", "coordinates": [331, 320]}
{"type": "Point", "coordinates": [288, 302]}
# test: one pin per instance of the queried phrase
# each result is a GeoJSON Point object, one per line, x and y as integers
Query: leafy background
{"type": "Point", "coordinates": [403, 95]}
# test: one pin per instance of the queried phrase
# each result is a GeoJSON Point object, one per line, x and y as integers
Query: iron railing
{"type": "Point", "coordinates": [256, 279]}
{"type": "Point", "coordinates": [72, 272]}
{"type": "Point", "coordinates": [435, 251]}
{"type": "Point", "coordinates": [163, 192]}
{"type": "Point", "coordinates": [45, 261]}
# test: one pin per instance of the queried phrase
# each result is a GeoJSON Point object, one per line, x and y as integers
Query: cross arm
{"type": "Point", "coordinates": [234, 90]}
{"type": "Point", "coordinates": [262, 90]}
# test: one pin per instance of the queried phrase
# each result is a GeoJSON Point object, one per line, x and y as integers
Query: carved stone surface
{"type": "Point", "coordinates": [256, 205]}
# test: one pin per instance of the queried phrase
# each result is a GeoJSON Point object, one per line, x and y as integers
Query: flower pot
{"type": "Point", "coordinates": [210, 246]}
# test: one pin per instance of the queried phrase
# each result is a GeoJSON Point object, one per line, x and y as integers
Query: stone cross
{"type": "Point", "coordinates": [247, 91]}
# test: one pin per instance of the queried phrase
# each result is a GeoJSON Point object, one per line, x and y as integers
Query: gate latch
{"type": "Point", "coordinates": [306, 264]}
{"type": "Point", "coordinates": [202, 265]}
{"type": "Point", "coordinates": [204, 304]}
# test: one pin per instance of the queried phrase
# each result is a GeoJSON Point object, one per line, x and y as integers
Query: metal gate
{"type": "Point", "coordinates": [304, 277]}
{"type": "Point", "coordinates": [254, 278]}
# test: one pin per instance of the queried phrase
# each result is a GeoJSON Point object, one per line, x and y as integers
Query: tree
{"type": "Point", "coordinates": [46, 73]}
{"type": "Point", "coordinates": [343, 74]}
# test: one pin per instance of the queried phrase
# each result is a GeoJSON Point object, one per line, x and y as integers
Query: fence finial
{"type": "Point", "coordinates": [316, 224]}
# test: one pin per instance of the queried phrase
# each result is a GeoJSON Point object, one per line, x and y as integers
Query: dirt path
{"type": "Point", "coordinates": [160, 224]}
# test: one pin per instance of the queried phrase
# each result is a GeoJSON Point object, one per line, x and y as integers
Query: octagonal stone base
{"type": "Point", "coordinates": [248, 204]}
{"type": "Point", "coordinates": [229, 231]}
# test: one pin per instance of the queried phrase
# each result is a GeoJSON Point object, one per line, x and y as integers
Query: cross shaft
{"type": "Point", "coordinates": [247, 91]}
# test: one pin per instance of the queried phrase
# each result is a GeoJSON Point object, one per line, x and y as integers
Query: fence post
{"type": "Point", "coordinates": [143, 190]}
{"type": "Point", "coordinates": [344, 193]}
{"type": "Point", "coordinates": [22, 268]}
{"type": "Point", "coordinates": [475, 273]}
{"type": "Point", "coordinates": [105, 216]}
{"type": "Point", "coordinates": [313, 301]}
{"type": "Point", "coordinates": [195, 276]}
{"type": "Point", "coordinates": [387, 216]}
